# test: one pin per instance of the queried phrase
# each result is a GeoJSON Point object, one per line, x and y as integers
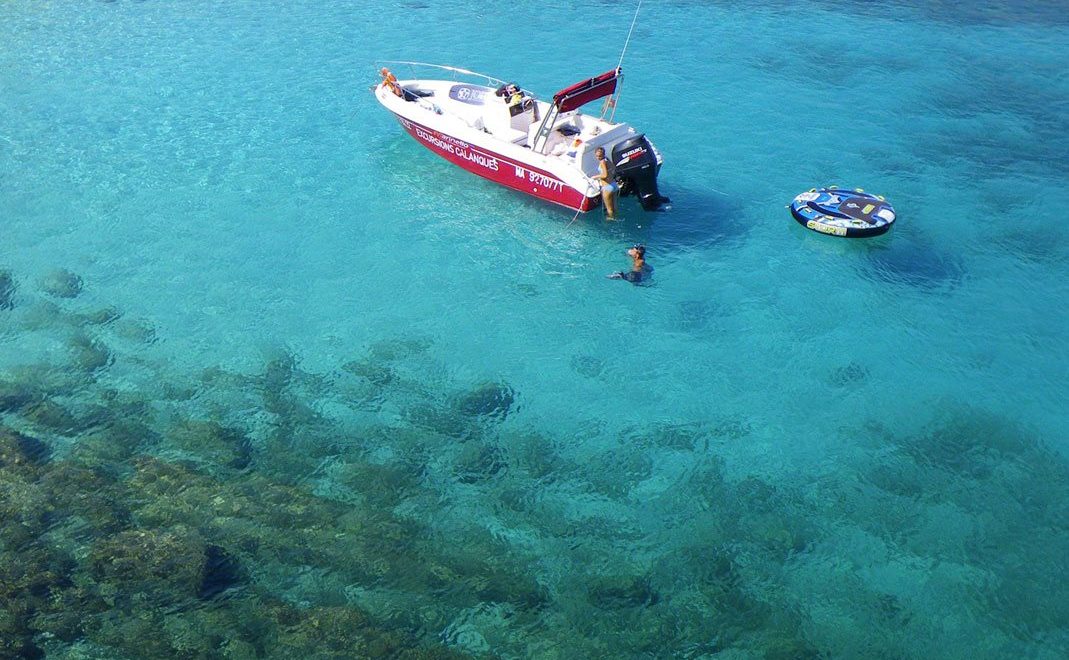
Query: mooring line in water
{"type": "Point", "coordinates": [574, 218]}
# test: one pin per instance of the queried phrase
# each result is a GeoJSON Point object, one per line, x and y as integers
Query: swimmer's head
{"type": "Point", "coordinates": [638, 251]}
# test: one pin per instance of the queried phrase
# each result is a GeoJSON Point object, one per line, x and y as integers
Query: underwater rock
{"type": "Point", "coordinates": [378, 485]}
{"type": "Point", "coordinates": [46, 379]}
{"type": "Point", "coordinates": [222, 571]}
{"type": "Point", "coordinates": [50, 415]}
{"type": "Point", "coordinates": [526, 289]}
{"type": "Point", "coordinates": [125, 405]}
{"type": "Point", "coordinates": [512, 587]}
{"type": "Point", "coordinates": [755, 495]}
{"type": "Point", "coordinates": [219, 378]}
{"type": "Point", "coordinates": [135, 330]}
{"type": "Point", "coordinates": [615, 473]}
{"type": "Point", "coordinates": [732, 429]}
{"type": "Point", "coordinates": [969, 443]}
{"type": "Point", "coordinates": [112, 443]}
{"type": "Point", "coordinates": [587, 365]}
{"type": "Point", "coordinates": [285, 518]}
{"type": "Point", "coordinates": [340, 632]}
{"type": "Point", "coordinates": [681, 437]}
{"type": "Point", "coordinates": [160, 566]}
{"type": "Point", "coordinates": [88, 354]}
{"type": "Point", "coordinates": [376, 374]}
{"type": "Point", "coordinates": [848, 374]}
{"type": "Point", "coordinates": [28, 582]}
{"type": "Point", "coordinates": [22, 504]}
{"type": "Point", "coordinates": [536, 455]}
{"type": "Point", "coordinates": [42, 314]}
{"type": "Point", "coordinates": [102, 316]}
{"type": "Point", "coordinates": [720, 578]}
{"type": "Point", "coordinates": [279, 370]}
{"type": "Point", "coordinates": [479, 463]}
{"type": "Point", "coordinates": [210, 440]}
{"type": "Point", "coordinates": [788, 644]}
{"type": "Point", "coordinates": [391, 350]}
{"type": "Point", "coordinates": [21, 451]}
{"type": "Point", "coordinates": [15, 396]}
{"type": "Point", "coordinates": [491, 400]}
{"type": "Point", "coordinates": [280, 375]}
{"type": "Point", "coordinates": [621, 591]}
{"type": "Point", "coordinates": [93, 497]}
{"type": "Point", "coordinates": [777, 534]}
{"type": "Point", "coordinates": [7, 289]}
{"type": "Point", "coordinates": [23, 512]}
{"type": "Point", "coordinates": [912, 265]}
{"type": "Point", "coordinates": [442, 422]}
{"type": "Point", "coordinates": [93, 416]}
{"type": "Point", "coordinates": [61, 283]}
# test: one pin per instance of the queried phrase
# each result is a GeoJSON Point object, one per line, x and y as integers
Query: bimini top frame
{"type": "Point", "coordinates": [574, 96]}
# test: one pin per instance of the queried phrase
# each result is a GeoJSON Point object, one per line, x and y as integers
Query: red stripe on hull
{"type": "Point", "coordinates": [497, 168]}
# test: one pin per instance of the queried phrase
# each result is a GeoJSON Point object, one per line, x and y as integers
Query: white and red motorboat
{"type": "Point", "coordinates": [503, 133]}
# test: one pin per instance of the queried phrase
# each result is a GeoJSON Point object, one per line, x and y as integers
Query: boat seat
{"type": "Point", "coordinates": [498, 122]}
{"type": "Point", "coordinates": [512, 135]}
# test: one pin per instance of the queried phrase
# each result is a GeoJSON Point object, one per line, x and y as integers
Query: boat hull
{"type": "Point", "coordinates": [501, 169]}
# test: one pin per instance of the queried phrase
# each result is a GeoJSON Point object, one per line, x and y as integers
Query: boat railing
{"type": "Point", "coordinates": [455, 70]}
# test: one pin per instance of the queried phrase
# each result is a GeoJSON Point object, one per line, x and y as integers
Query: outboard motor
{"type": "Point", "coordinates": [637, 165]}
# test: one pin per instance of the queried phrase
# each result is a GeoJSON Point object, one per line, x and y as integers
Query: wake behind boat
{"type": "Point", "coordinates": [543, 148]}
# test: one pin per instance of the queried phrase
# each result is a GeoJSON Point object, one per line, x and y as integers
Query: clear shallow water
{"type": "Point", "coordinates": [789, 445]}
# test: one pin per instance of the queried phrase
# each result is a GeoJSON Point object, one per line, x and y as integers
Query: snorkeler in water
{"type": "Point", "coordinates": [639, 270]}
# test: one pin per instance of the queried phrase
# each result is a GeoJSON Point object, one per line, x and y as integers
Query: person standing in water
{"type": "Point", "coordinates": [609, 188]}
{"type": "Point", "coordinates": [639, 269]}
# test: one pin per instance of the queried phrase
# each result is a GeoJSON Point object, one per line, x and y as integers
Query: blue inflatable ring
{"type": "Point", "coordinates": [842, 212]}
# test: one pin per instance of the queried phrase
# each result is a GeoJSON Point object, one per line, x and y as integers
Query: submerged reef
{"type": "Point", "coordinates": [168, 561]}
{"type": "Point", "coordinates": [386, 509]}
{"type": "Point", "coordinates": [491, 400]}
{"type": "Point", "coordinates": [7, 289]}
{"type": "Point", "coordinates": [61, 283]}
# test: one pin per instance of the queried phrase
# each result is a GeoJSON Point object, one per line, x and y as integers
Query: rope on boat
{"type": "Point", "coordinates": [627, 42]}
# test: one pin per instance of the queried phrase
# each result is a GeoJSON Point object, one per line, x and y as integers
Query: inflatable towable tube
{"type": "Point", "coordinates": [842, 212]}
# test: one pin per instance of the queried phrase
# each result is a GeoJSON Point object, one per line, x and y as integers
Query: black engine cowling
{"type": "Point", "coordinates": [636, 171]}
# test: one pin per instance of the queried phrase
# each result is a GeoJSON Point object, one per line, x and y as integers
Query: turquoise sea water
{"type": "Point", "coordinates": [275, 380]}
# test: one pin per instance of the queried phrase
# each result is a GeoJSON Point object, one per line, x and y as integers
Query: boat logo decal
{"type": "Point", "coordinates": [637, 151]}
{"type": "Point", "coordinates": [470, 94]}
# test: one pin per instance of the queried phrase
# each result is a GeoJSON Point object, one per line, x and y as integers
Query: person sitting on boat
{"type": "Point", "coordinates": [515, 98]}
{"type": "Point", "coordinates": [511, 92]}
{"type": "Point", "coordinates": [639, 269]}
{"type": "Point", "coordinates": [390, 81]}
{"type": "Point", "coordinates": [609, 188]}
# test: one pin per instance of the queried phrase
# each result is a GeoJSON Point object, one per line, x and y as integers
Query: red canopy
{"type": "Point", "coordinates": [586, 91]}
